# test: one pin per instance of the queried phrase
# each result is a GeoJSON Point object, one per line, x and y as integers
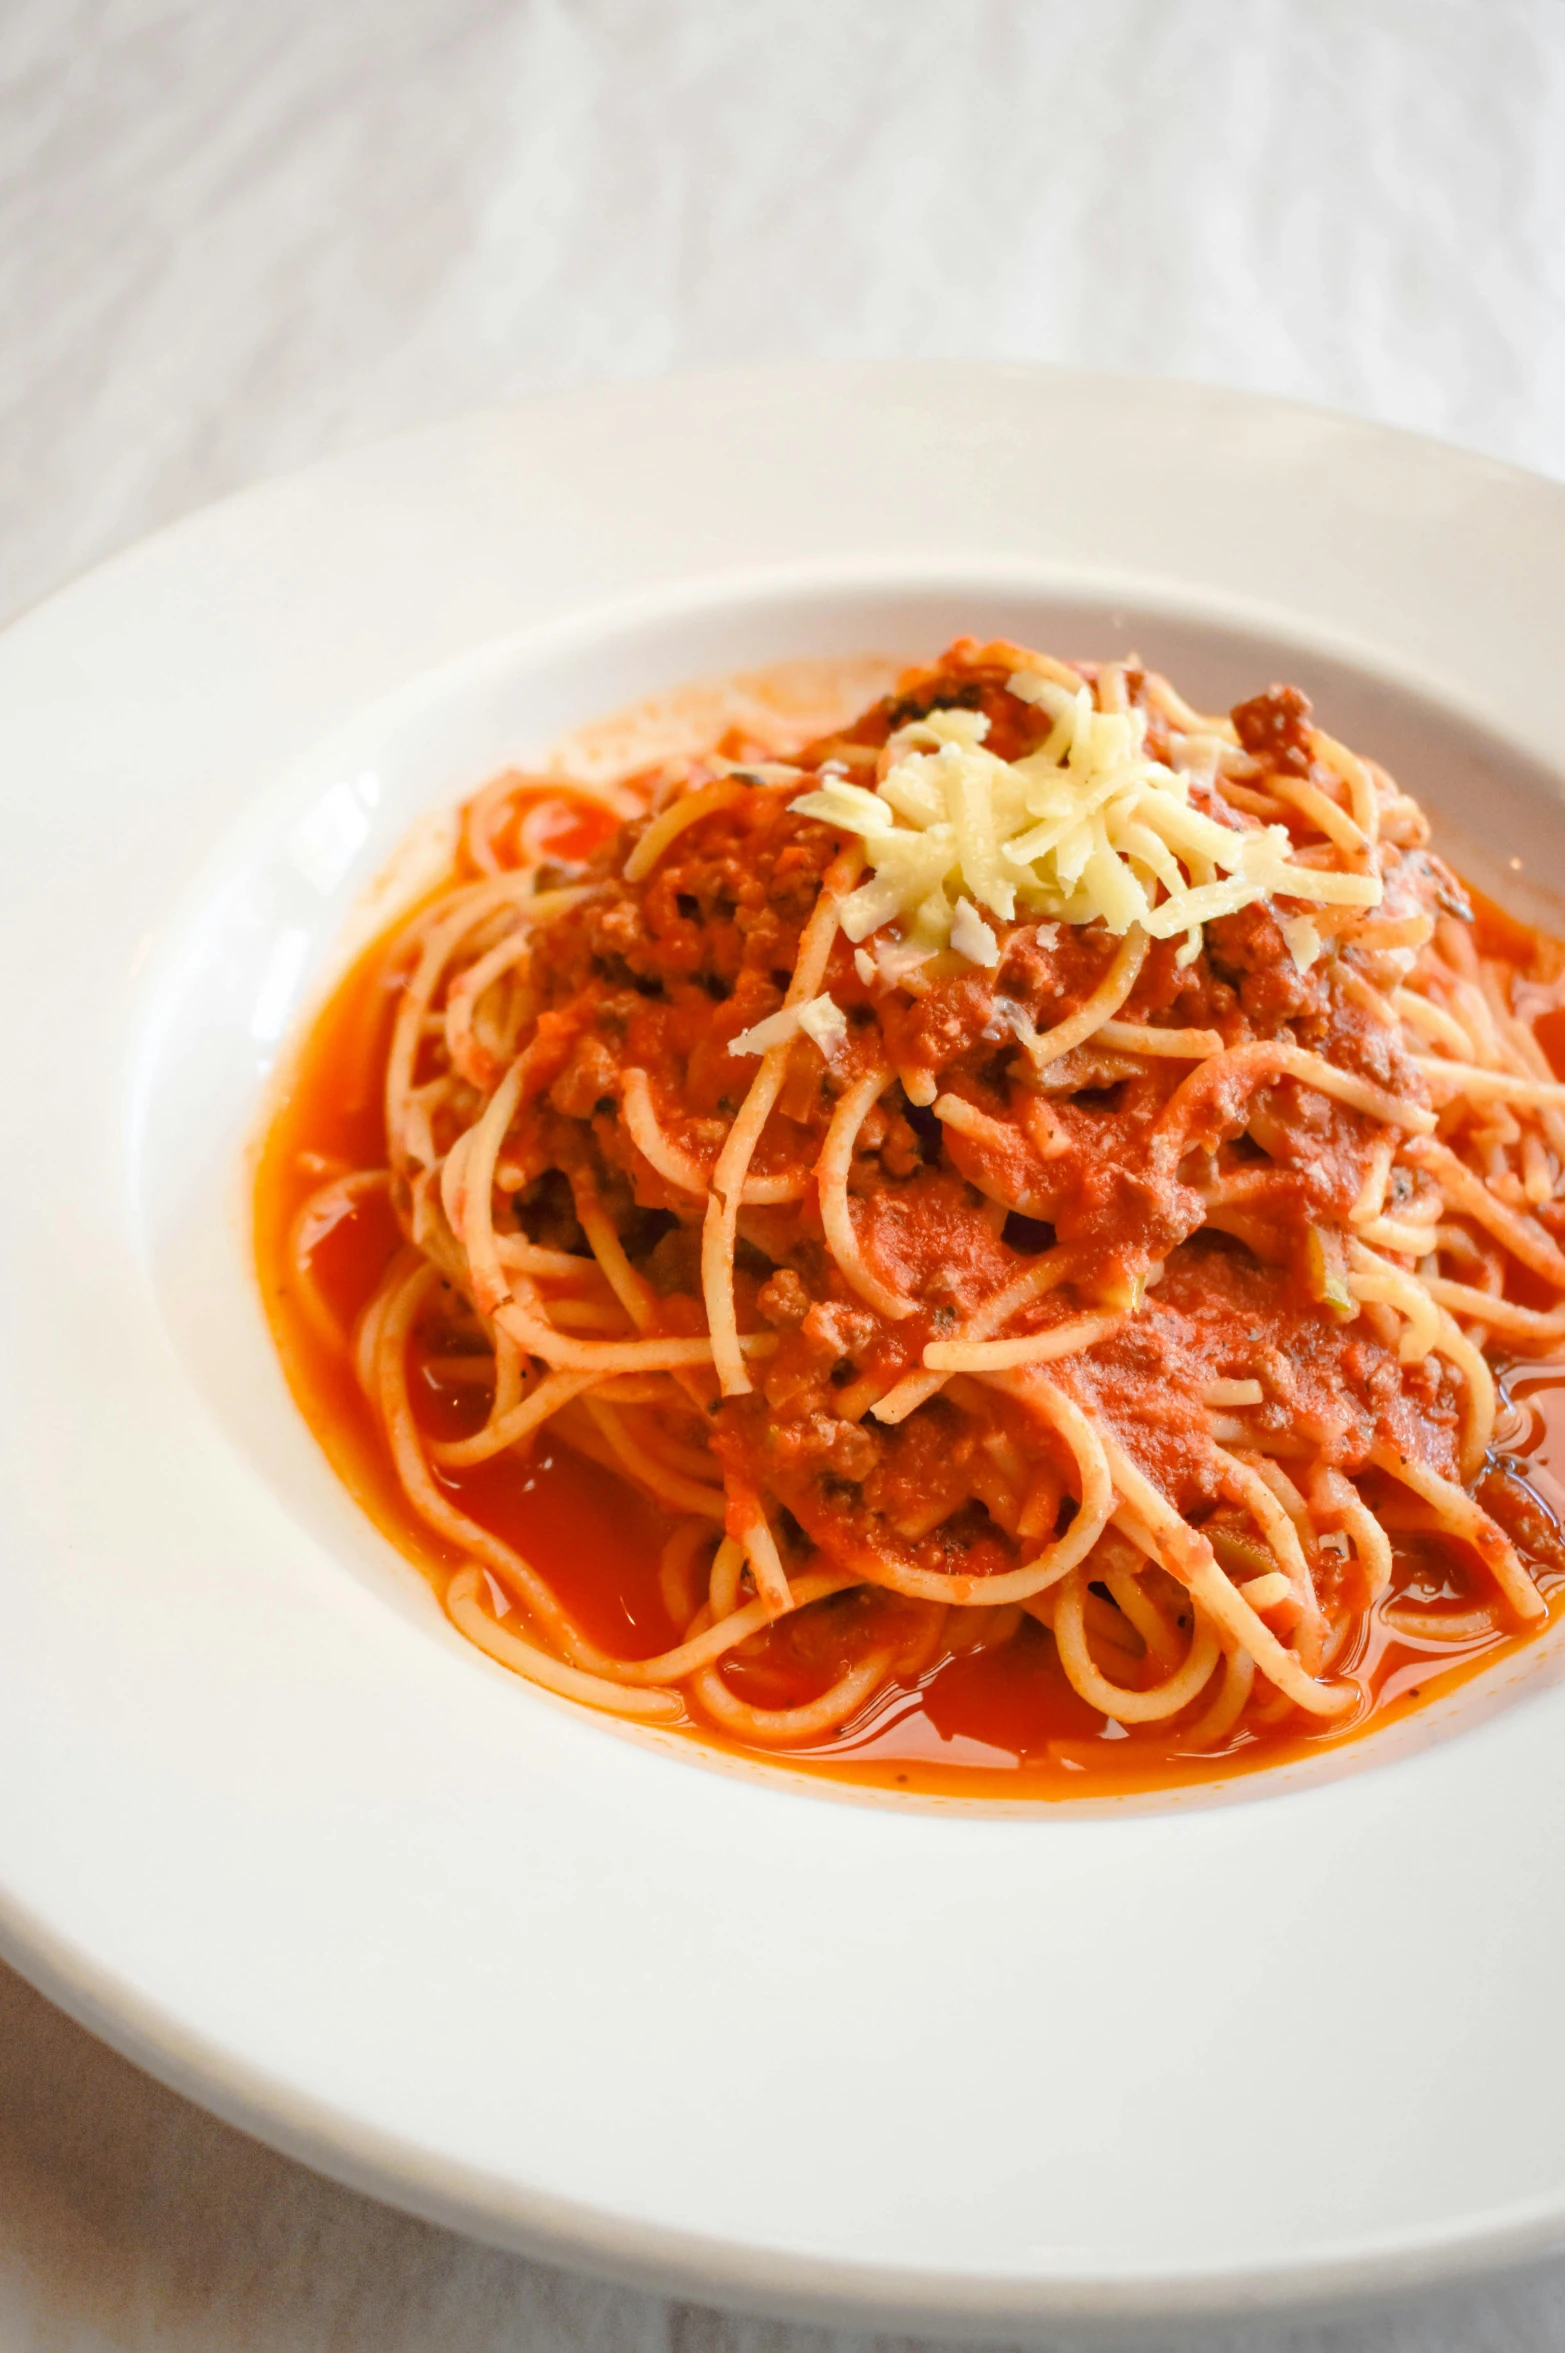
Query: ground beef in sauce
{"type": "Point", "coordinates": [659, 977]}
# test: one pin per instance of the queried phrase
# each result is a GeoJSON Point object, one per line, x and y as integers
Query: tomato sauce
{"type": "Point", "coordinates": [1002, 1722]}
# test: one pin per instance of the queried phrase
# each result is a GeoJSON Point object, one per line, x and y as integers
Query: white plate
{"type": "Point", "coordinates": [272, 1829]}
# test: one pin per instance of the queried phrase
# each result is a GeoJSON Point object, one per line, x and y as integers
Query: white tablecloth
{"type": "Point", "coordinates": [236, 234]}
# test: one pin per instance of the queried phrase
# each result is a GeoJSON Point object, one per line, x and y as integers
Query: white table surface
{"type": "Point", "coordinates": [237, 234]}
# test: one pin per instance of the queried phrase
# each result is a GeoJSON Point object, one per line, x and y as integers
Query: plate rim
{"type": "Point", "coordinates": [707, 2269]}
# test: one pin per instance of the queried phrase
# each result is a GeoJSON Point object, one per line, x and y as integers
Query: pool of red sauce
{"type": "Point", "coordinates": [1003, 1723]}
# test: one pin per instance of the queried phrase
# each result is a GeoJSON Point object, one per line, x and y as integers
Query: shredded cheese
{"type": "Point", "coordinates": [1303, 940]}
{"type": "Point", "coordinates": [971, 936]}
{"type": "Point", "coordinates": [1086, 829]}
{"type": "Point", "coordinates": [822, 1020]}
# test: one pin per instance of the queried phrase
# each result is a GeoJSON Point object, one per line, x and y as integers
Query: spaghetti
{"type": "Point", "coordinates": [1039, 1188]}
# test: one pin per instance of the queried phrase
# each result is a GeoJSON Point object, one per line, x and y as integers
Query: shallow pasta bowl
{"type": "Point", "coordinates": [272, 1828]}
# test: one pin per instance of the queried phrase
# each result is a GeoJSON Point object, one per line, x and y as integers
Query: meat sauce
{"type": "Point", "coordinates": [1001, 1722]}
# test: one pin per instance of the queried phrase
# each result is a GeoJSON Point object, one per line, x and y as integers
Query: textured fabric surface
{"type": "Point", "coordinates": [238, 234]}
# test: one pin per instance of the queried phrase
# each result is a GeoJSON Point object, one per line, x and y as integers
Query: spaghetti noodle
{"type": "Point", "coordinates": [1038, 1175]}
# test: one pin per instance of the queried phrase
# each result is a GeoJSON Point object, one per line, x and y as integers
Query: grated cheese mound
{"type": "Point", "coordinates": [1087, 828]}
